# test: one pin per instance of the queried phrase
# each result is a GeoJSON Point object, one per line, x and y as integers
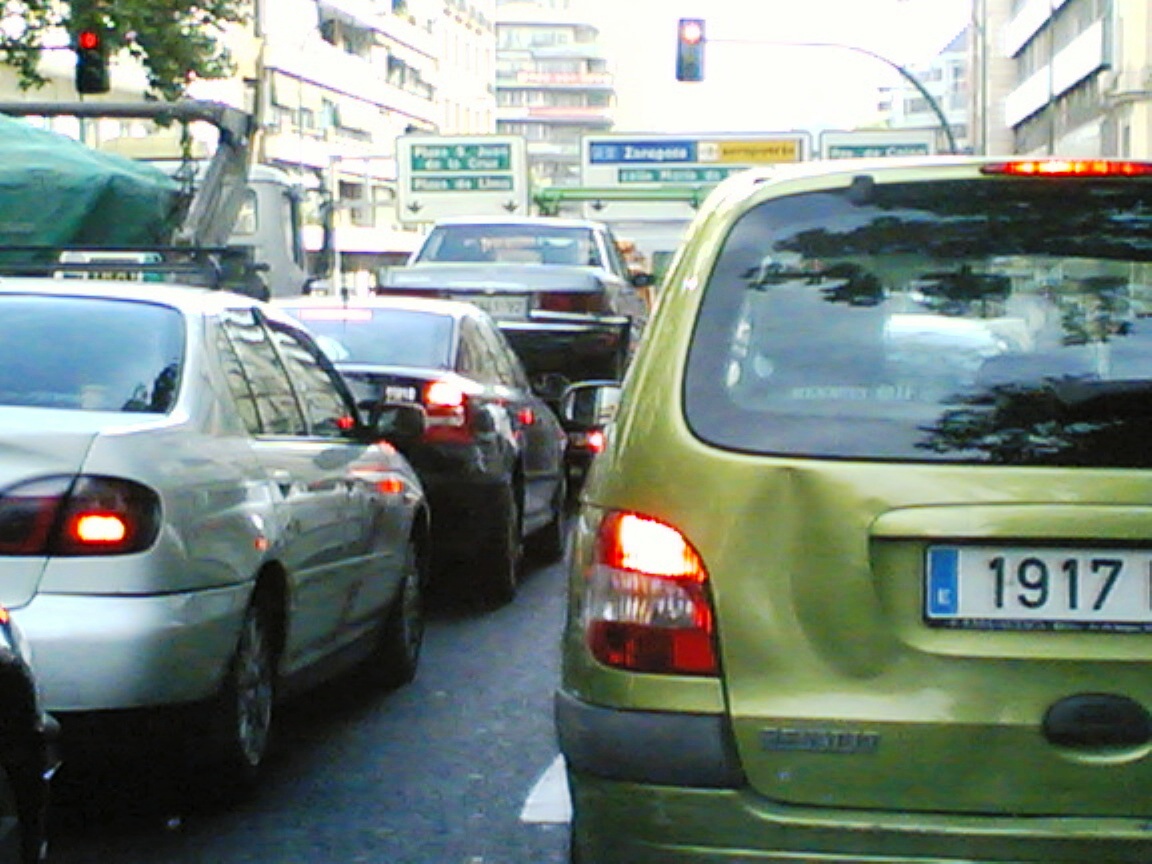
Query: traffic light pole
{"type": "Point", "coordinates": [945, 126]}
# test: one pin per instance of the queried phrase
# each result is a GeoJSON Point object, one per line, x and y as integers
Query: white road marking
{"type": "Point", "coordinates": [548, 802]}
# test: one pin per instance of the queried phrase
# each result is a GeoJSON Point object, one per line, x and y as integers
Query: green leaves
{"type": "Point", "coordinates": [175, 41]}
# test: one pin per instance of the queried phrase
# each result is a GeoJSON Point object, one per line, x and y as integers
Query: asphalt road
{"type": "Point", "coordinates": [451, 769]}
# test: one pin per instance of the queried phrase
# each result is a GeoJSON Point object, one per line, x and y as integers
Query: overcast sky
{"type": "Point", "coordinates": [753, 83]}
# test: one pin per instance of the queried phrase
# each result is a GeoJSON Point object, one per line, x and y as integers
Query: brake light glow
{"type": "Point", "coordinates": [446, 407]}
{"type": "Point", "coordinates": [646, 604]}
{"type": "Point", "coordinates": [85, 515]}
{"type": "Point", "coordinates": [444, 394]}
{"type": "Point", "coordinates": [99, 528]}
{"type": "Point", "coordinates": [1069, 168]}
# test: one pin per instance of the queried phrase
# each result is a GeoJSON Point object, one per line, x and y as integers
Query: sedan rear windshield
{"type": "Point", "coordinates": [89, 354]}
{"type": "Point", "coordinates": [382, 337]}
{"type": "Point", "coordinates": [520, 244]}
{"type": "Point", "coordinates": [977, 321]}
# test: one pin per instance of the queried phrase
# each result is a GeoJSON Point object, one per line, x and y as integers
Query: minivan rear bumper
{"type": "Point", "coordinates": [651, 787]}
{"type": "Point", "coordinates": [617, 822]}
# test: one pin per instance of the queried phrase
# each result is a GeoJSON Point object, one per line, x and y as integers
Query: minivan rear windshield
{"type": "Point", "coordinates": [973, 321]}
{"type": "Point", "coordinates": [89, 354]}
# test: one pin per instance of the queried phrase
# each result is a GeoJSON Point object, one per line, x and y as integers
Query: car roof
{"type": "Point", "coordinates": [451, 308]}
{"type": "Point", "coordinates": [545, 221]}
{"type": "Point", "coordinates": [189, 299]}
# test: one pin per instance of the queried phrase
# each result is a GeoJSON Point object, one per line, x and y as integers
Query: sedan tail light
{"type": "Point", "coordinates": [646, 604]}
{"type": "Point", "coordinates": [588, 302]}
{"type": "Point", "coordinates": [449, 412]}
{"type": "Point", "coordinates": [72, 516]}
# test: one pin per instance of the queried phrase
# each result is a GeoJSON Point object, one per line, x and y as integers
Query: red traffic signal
{"type": "Point", "coordinates": [690, 49]}
{"type": "Point", "coordinates": [91, 62]}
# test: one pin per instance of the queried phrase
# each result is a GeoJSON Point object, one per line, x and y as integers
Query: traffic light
{"type": "Point", "coordinates": [91, 62]}
{"type": "Point", "coordinates": [690, 50]}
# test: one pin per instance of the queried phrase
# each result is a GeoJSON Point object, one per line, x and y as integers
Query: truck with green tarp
{"type": "Point", "coordinates": [65, 203]}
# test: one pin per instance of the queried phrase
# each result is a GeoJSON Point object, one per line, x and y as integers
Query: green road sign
{"type": "Point", "coordinates": [461, 157]}
{"type": "Point", "coordinates": [471, 183]}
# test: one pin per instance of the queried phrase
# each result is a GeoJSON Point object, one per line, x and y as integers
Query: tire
{"type": "Point", "coordinates": [242, 717]}
{"type": "Point", "coordinates": [394, 661]}
{"type": "Point", "coordinates": [500, 563]}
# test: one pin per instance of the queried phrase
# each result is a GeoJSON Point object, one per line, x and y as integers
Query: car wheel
{"type": "Point", "coordinates": [243, 713]}
{"type": "Point", "coordinates": [397, 654]}
{"type": "Point", "coordinates": [501, 560]}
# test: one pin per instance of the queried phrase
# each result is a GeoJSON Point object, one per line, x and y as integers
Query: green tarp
{"type": "Point", "coordinates": [54, 191]}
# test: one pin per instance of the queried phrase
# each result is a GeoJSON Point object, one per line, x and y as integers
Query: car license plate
{"type": "Point", "coordinates": [498, 306]}
{"type": "Point", "coordinates": [1040, 588]}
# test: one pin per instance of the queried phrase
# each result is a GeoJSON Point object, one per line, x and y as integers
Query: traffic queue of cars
{"type": "Point", "coordinates": [209, 503]}
{"type": "Point", "coordinates": [863, 570]}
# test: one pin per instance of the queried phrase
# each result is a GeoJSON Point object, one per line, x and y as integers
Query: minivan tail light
{"type": "Point", "coordinates": [86, 515]}
{"type": "Point", "coordinates": [646, 600]}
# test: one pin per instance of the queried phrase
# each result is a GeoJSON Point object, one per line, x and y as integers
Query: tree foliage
{"type": "Point", "coordinates": [174, 40]}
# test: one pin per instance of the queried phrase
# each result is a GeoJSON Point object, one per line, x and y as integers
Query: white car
{"type": "Point", "coordinates": [193, 512]}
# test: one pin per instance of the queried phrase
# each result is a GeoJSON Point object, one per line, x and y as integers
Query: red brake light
{"type": "Point", "coordinates": [446, 406]}
{"type": "Point", "coordinates": [444, 394]}
{"type": "Point", "coordinates": [583, 302]}
{"type": "Point", "coordinates": [99, 529]}
{"type": "Point", "coordinates": [646, 607]}
{"type": "Point", "coordinates": [78, 516]}
{"type": "Point", "coordinates": [1069, 168]}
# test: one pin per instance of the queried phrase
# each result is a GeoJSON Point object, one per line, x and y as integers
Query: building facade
{"type": "Point", "coordinates": [552, 84]}
{"type": "Point", "coordinates": [1083, 77]}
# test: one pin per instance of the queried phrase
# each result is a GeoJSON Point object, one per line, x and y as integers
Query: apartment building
{"type": "Point", "coordinates": [552, 84]}
{"type": "Point", "coordinates": [1083, 77]}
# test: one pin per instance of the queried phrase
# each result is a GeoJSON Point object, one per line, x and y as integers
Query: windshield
{"type": "Point", "coordinates": [531, 244]}
{"type": "Point", "coordinates": [89, 354]}
{"type": "Point", "coordinates": [975, 321]}
{"type": "Point", "coordinates": [383, 337]}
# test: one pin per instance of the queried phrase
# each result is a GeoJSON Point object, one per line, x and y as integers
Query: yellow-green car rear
{"type": "Point", "coordinates": [864, 572]}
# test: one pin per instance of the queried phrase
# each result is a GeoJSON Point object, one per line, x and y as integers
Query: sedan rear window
{"type": "Point", "coordinates": [381, 337]}
{"type": "Point", "coordinates": [89, 354]}
{"type": "Point", "coordinates": [975, 321]}
{"type": "Point", "coordinates": [523, 244]}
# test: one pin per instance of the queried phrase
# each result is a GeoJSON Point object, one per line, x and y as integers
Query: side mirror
{"type": "Point", "coordinates": [641, 280]}
{"type": "Point", "coordinates": [590, 404]}
{"type": "Point", "coordinates": [401, 423]}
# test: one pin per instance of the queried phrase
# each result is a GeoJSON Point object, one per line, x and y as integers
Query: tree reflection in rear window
{"type": "Point", "coordinates": [89, 354]}
{"type": "Point", "coordinates": [987, 321]}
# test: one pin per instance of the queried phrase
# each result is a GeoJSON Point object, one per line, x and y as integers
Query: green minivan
{"type": "Point", "coordinates": [864, 571]}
